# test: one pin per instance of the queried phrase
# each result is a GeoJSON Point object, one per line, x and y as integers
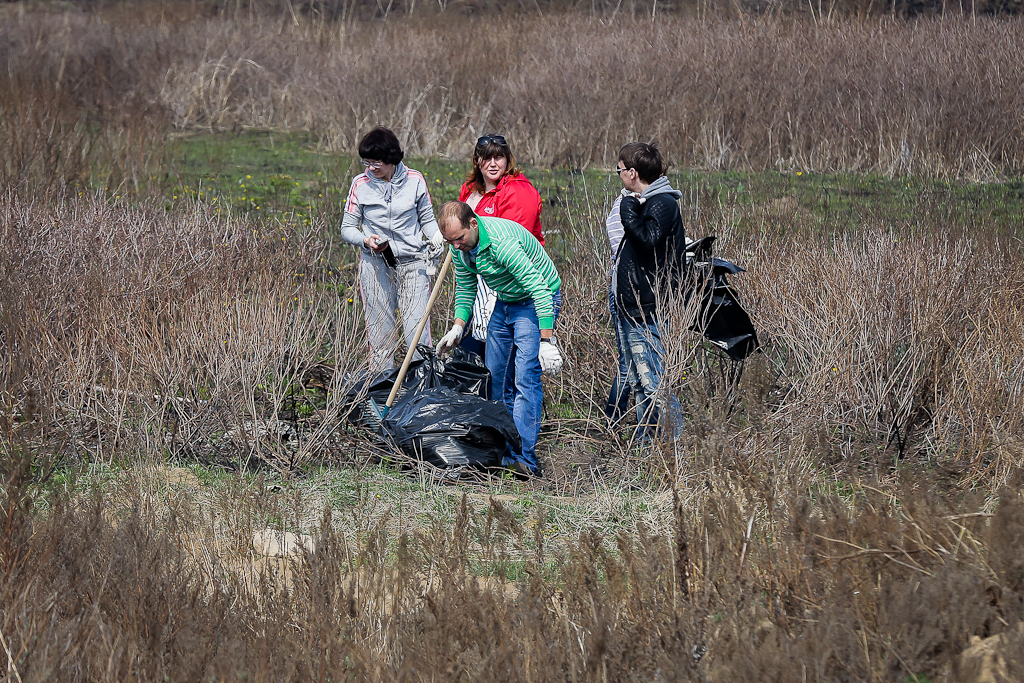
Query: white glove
{"type": "Point", "coordinates": [449, 340]}
{"type": "Point", "coordinates": [437, 241]}
{"type": "Point", "coordinates": [550, 357]}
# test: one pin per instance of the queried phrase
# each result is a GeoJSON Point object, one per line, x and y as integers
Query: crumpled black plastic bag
{"type": "Point", "coordinates": [449, 429]}
{"type": "Point", "coordinates": [462, 371]}
{"type": "Point", "coordinates": [721, 319]}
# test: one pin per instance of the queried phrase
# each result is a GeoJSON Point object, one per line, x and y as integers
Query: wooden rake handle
{"type": "Point", "coordinates": [419, 329]}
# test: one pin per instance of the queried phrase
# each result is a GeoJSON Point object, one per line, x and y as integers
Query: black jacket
{"type": "Point", "coordinates": [652, 254]}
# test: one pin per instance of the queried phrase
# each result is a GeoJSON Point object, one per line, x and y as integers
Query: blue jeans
{"type": "Point", "coordinates": [618, 398]}
{"type": "Point", "coordinates": [510, 386]}
{"type": "Point", "coordinates": [513, 343]}
{"type": "Point", "coordinates": [471, 343]}
{"type": "Point", "coordinates": [641, 347]}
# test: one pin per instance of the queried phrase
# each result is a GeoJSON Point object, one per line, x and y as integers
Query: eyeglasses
{"type": "Point", "coordinates": [375, 165]}
{"type": "Point", "coordinates": [487, 139]}
{"type": "Point", "coordinates": [620, 171]}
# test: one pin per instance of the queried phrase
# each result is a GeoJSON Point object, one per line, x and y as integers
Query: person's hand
{"type": "Point", "coordinates": [374, 243]}
{"type": "Point", "coordinates": [629, 212]}
{"type": "Point", "coordinates": [550, 357]}
{"type": "Point", "coordinates": [449, 340]}
{"type": "Point", "coordinates": [437, 241]}
{"type": "Point", "coordinates": [630, 203]}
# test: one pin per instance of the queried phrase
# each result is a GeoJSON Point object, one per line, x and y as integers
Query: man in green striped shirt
{"type": "Point", "coordinates": [520, 334]}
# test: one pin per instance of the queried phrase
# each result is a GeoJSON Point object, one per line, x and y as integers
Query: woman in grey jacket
{"type": "Point", "coordinates": [388, 214]}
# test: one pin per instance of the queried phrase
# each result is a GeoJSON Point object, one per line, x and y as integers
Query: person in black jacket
{"type": "Point", "coordinates": [650, 264]}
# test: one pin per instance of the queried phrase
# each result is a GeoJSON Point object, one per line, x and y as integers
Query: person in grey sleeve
{"type": "Point", "coordinates": [618, 397]}
{"type": "Point", "coordinates": [388, 215]}
{"type": "Point", "coordinates": [651, 256]}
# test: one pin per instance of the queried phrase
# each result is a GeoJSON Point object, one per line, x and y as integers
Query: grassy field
{"type": "Point", "coordinates": [293, 175]}
{"type": "Point", "coordinates": [178, 317]}
{"type": "Point", "coordinates": [868, 449]}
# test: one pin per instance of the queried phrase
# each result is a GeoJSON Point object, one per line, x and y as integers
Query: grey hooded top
{"type": "Point", "coordinates": [399, 211]}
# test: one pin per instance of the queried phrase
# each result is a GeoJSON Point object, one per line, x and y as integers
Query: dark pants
{"type": "Point", "coordinates": [471, 343]}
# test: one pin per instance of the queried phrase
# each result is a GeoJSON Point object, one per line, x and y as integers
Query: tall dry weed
{"type": "Point", "coordinates": [882, 330]}
{"type": "Point", "coordinates": [884, 586]}
{"type": "Point", "coordinates": [805, 548]}
{"type": "Point", "coordinates": [155, 333]}
{"type": "Point", "coordinates": [936, 96]}
{"type": "Point", "coordinates": [152, 332]}
{"type": "Point", "coordinates": [193, 333]}
{"type": "Point", "coordinates": [888, 343]}
{"type": "Point", "coordinates": [77, 97]}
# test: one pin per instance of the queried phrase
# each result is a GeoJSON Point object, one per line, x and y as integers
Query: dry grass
{"type": "Point", "coordinates": [757, 585]}
{"type": "Point", "coordinates": [899, 337]}
{"type": "Point", "coordinates": [199, 335]}
{"type": "Point", "coordinates": [937, 96]}
{"type": "Point", "coordinates": [847, 508]}
{"type": "Point", "coordinates": [152, 333]}
{"type": "Point", "coordinates": [895, 341]}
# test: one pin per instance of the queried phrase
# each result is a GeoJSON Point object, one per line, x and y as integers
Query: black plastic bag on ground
{"type": "Point", "coordinates": [365, 386]}
{"type": "Point", "coordinates": [448, 429]}
{"type": "Point", "coordinates": [462, 372]}
{"type": "Point", "coordinates": [721, 320]}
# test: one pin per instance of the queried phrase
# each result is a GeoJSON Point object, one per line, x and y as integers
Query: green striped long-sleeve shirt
{"type": "Point", "coordinates": [512, 263]}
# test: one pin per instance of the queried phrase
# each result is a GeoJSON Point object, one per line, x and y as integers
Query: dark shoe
{"type": "Point", "coordinates": [521, 471]}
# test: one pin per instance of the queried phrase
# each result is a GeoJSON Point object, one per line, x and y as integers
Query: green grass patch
{"type": "Point", "coordinates": [292, 177]}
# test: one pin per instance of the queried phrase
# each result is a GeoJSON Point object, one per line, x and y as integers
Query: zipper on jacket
{"type": "Point", "coordinates": [391, 220]}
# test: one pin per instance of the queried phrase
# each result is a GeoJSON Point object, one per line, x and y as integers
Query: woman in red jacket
{"type": "Point", "coordinates": [496, 188]}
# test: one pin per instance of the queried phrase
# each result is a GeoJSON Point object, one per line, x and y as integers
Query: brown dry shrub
{"type": "Point", "coordinates": [935, 96]}
{"type": "Point", "coordinates": [881, 585]}
{"type": "Point", "coordinates": [78, 97]}
{"type": "Point", "coordinates": [152, 331]}
{"type": "Point", "coordinates": [195, 332]}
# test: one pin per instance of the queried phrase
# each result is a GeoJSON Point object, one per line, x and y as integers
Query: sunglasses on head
{"type": "Point", "coordinates": [487, 139]}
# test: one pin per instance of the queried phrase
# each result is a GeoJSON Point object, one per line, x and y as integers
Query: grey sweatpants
{"type": "Point", "coordinates": [385, 289]}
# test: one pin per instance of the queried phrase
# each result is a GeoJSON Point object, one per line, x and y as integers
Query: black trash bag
{"type": "Point", "coordinates": [377, 386]}
{"type": "Point", "coordinates": [448, 429]}
{"type": "Point", "coordinates": [721, 319]}
{"type": "Point", "coordinates": [727, 325]}
{"type": "Point", "coordinates": [463, 372]}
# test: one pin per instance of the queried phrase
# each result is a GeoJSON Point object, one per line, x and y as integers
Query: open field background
{"type": "Point", "coordinates": [936, 96]}
{"type": "Point", "coordinates": [177, 317]}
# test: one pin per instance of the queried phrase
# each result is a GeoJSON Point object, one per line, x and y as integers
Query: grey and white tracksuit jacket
{"type": "Point", "coordinates": [400, 212]}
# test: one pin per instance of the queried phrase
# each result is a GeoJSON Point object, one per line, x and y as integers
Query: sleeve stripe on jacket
{"type": "Point", "coordinates": [416, 174]}
{"type": "Point", "coordinates": [353, 202]}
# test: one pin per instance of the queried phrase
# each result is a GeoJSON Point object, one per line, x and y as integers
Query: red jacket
{"type": "Point", "coordinates": [515, 198]}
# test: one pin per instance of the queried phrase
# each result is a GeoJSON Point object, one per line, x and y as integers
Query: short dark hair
{"type": "Point", "coordinates": [381, 144]}
{"type": "Point", "coordinates": [645, 158]}
{"type": "Point", "coordinates": [455, 209]}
